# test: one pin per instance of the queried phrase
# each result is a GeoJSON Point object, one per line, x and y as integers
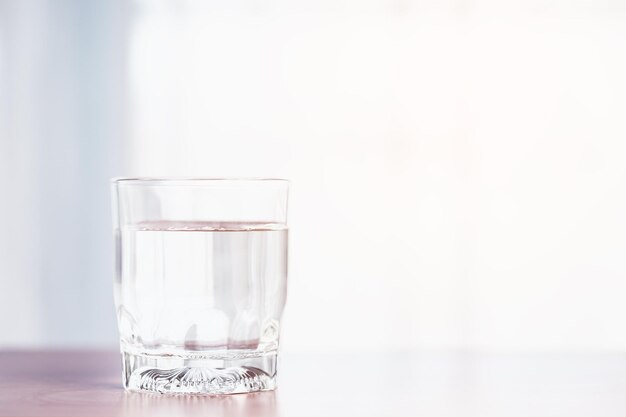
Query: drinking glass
{"type": "Point", "coordinates": [200, 283]}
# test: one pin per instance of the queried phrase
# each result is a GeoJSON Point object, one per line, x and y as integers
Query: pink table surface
{"type": "Point", "coordinates": [88, 383]}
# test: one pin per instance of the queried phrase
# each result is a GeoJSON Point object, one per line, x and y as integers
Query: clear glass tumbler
{"type": "Point", "coordinates": [201, 281]}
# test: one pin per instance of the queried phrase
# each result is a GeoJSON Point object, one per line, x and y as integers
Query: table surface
{"type": "Point", "coordinates": [87, 383]}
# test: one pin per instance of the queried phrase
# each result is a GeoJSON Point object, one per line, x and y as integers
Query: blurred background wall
{"type": "Point", "coordinates": [457, 166]}
{"type": "Point", "coordinates": [62, 131]}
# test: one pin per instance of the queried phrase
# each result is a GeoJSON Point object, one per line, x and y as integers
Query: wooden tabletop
{"type": "Point", "coordinates": [87, 383]}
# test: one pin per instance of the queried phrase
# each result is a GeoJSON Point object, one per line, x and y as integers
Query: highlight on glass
{"type": "Point", "coordinates": [200, 283]}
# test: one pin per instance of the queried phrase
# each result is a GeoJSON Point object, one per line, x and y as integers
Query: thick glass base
{"type": "Point", "coordinates": [230, 373]}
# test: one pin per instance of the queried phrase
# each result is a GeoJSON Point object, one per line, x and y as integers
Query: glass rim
{"type": "Point", "coordinates": [197, 180]}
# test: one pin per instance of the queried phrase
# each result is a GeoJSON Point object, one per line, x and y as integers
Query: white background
{"type": "Point", "coordinates": [457, 167]}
